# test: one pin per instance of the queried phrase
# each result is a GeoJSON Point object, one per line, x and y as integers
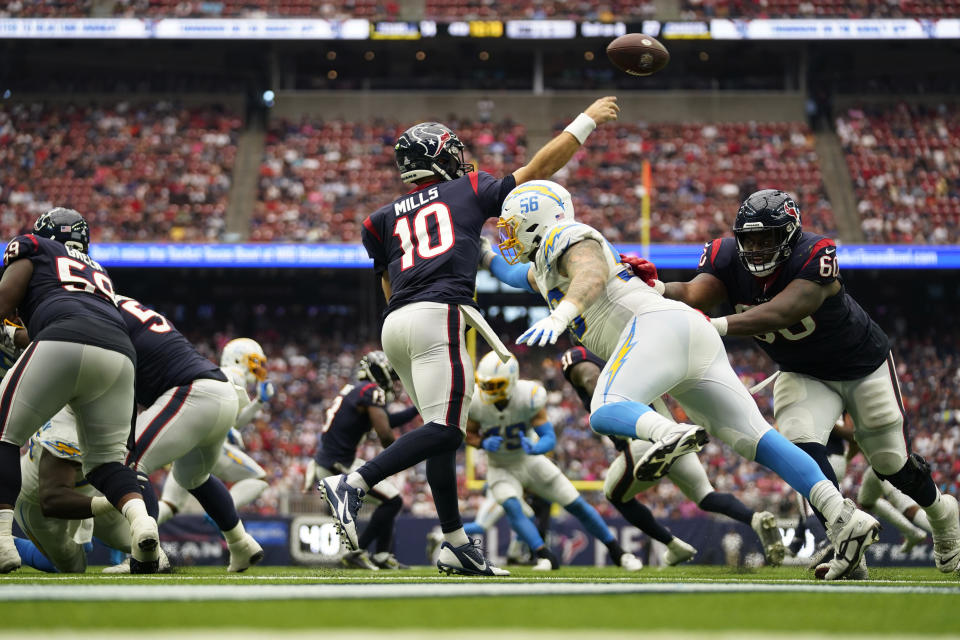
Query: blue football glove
{"type": "Point", "coordinates": [265, 391]}
{"type": "Point", "coordinates": [492, 443]}
{"type": "Point", "coordinates": [529, 446]}
{"type": "Point", "coordinates": [551, 327]}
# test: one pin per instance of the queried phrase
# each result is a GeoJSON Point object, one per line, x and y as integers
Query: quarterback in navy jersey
{"type": "Point", "coordinates": [78, 355]}
{"type": "Point", "coordinates": [785, 287]}
{"type": "Point", "coordinates": [361, 407]}
{"type": "Point", "coordinates": [425, 246]}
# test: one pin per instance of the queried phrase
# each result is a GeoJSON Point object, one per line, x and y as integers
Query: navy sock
{"type": "Point", "coordinates": [114, 481]}
{"type": "Point", "coordinates": [9, 473]}
{"type": "Point", "coordinates": [442, 476]}
{"type": "Point", "coordinates": [217, 502]}
{"type": "Point", "coordinates": [149, 495]}
{"type": "Point", "coordinates": [728, 505]}
{"type": "Point", "coordinates": [412, 447]}
{"type": "Point", "coordinates": [541, 514]}
{"type": "Point", "coordinates": [380, 527]}
{"type": "Point", "coordinates": [642, 518]}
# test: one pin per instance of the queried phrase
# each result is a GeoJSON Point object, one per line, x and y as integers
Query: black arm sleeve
{"type": "Point", "coordinates": [401, 418]}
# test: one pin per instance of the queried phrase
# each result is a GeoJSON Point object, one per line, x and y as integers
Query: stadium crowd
{"type": "Point", "coordinates": [905, 164]}
{"type": "Point", "coordinates": [138, 172]}
{"type": "Point", "coordinates": [700, 9]}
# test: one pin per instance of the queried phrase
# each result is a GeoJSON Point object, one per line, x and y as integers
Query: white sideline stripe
{"type": "Point", "coordinates": [147, 592]}
{"type": "Point", "coordinates": [445, 634]}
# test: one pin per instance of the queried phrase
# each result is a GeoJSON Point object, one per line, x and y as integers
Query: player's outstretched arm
{"type": "Point", "coordinates": [704, 292]}
{"type": "Point", "coordinates": [584, 264]}
{"type": "Point", "coordinates": [516, 275]}
{"type": "Point", "coordinates": [380, 422]}
{"type": "Point", "coordinates": [557, 153]}
{"type": "Point", "coordinates": [473, 437]}
{"type": "Point", "coordinates": [787, 308]}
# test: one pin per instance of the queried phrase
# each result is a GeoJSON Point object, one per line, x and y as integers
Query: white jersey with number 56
{"type": "Point", "coordinates": [624, 297]}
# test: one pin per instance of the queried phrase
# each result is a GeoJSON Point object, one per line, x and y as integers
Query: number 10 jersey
{"type": "Point", "coordinates": [428, 241]}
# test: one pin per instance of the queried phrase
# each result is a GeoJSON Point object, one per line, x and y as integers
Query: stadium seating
{"type": "Point", "coordinates": [137, 172]}
{"type": "Point", "coordinates": [700, 174]}
{"type": "Point", "coordinates": [320, 179]}
{"type": "Point", "coordinates": [533, 9]}
{"type": "Point", "coordinates": [699, 9]}
{"type": "Point", "coordinates": [906, 171]}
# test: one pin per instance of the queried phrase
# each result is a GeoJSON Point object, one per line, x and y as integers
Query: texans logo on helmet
{"type": "Point", "coordinates": [790, 208]}
{"type": "Point", "coordinates": [432, 140]}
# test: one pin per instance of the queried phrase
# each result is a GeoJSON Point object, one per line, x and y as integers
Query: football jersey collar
{"type": "Point", "coordinates": [426, 184]}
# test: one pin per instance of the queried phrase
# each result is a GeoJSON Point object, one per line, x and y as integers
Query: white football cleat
{"type": "Point", "coordinates": [851, 533]}
{"type": "Point", "coordinates": [912, 539]}
{"type": "Point", "coordinates": [765, 526]}
{"type": "Point", "coordinates": [244, 553]}
{"type": "Point", "coordinates": [144, 546]}
{"type": "Point", "coordinates": [860, 572]}
{"type": "Point", "coordinates": [9, 556]}
{"type": "Point", "coordinates": [542, 564]}
{"type": "Point", "coordinates": [434, 540]}
{"type": "Point", "coordinates": [630, 562]}
{"type": "Point", "coordinates": [678, 551]}
{"type": "Point", "coordinates": [657, 460]}
{"type": "Point", "coordinates": [946, 536]}
{"type": "Point", "coordinates": [124, 567]}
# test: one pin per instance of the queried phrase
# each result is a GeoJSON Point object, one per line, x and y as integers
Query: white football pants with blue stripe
{"type": "Point", "coordinates": [678, 352]}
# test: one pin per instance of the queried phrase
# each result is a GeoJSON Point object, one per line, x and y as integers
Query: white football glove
{"type": "Point", "coordinates": [487, 254]}
{"type": "Point", "coordinates": [551, 327]}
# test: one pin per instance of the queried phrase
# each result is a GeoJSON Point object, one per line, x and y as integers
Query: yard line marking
{"type": "Point", "coordinates": [147, 592]}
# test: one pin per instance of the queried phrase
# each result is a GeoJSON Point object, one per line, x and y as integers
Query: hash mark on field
{"type": "Point", "coordinates": [146, 592]}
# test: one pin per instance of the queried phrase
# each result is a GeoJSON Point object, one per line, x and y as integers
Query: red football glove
{"type": "Point", "coordinates": [642, 268]}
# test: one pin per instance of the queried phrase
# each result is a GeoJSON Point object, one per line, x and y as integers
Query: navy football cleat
{"type": "Point", "coordinates": [466, 560]}
{"type": "Point", "coordinates": [344, 501]}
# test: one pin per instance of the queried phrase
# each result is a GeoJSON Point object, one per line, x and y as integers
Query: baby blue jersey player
{"type": "Point", "coordinates": [652, 346]}
{"type": "Point", "coordinates": [508, 419]}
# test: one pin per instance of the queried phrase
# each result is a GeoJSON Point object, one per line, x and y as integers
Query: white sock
{"type": "Point", "coordinates": [827, 499]}
{"type": "Point", "coordinates": [921, 520]}
{"type": "Point", "coordinates": [457, 538]}
{"type": "Point", "coordinates": [356, 480]}
{"type": "Point", "coordinates": [134, 509]}
{"type": "Point", "coordinates": [234, 535]}
{"type": "Point", "coordinates": [246, 491]}
{"type": "Point", "coordinates": [889, 513]}
{"type": "Point", "coordinates": [937, 510]}
{"type": "Point", "coordinates": [6, 522]}
{"type": "Point", "coordinates": [653, 426]}
{"type": "Point", "coordinates": [165, 513]}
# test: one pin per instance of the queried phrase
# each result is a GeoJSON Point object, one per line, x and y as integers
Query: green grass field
{"type": "Point", "coordinates": [893, 601]}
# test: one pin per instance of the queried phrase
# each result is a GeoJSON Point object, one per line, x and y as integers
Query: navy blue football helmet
{"type": "Point", "coordinates": [767, 229]}
{"type": "Point", "coordinates": [66, 226]}
{"type": "Point", "coordinates": [376, 368]}
{"type": "Point", "coordinates": [430, 149]}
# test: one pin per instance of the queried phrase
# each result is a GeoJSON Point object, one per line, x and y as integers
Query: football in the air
{"type": "Point", "coordinates": [638, 54]}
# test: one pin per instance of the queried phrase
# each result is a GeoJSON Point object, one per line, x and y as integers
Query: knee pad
{"type": "Point", "coordinates": [114, 481]}
{"type": "Point", "coordinates": [914, 480]}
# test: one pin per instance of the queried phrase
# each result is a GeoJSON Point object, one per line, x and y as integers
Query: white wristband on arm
{"type": "Point", "coordinates": [720, 324]}
{"type": "Point", "coordinates": [566, 311]}
{"type": "Point", "coordinates": [100, 506]}
{"type": "Point", "coordinates": [581, 127]}
{"type": "Point", "coordinates": [659, 287]}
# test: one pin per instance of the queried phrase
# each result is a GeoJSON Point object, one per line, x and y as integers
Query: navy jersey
{"type": "Point", "coordinates": [70, 296]}
{"type": "Point", "coordinates": [165, 359]}
{"type": "Point", "coordinates": [838, 341]}
{"type": "Point", "coordinates": [346, 425]}
{"type": "Point", "coordinates": [428, 241]}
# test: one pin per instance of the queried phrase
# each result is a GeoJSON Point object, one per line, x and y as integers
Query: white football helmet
{"type": "Point", "coordinates": [495, 378]}
{"type": "Point", "coordinates": [247, 356]}
{"type": "Point", "coordinates": [528, 212]}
